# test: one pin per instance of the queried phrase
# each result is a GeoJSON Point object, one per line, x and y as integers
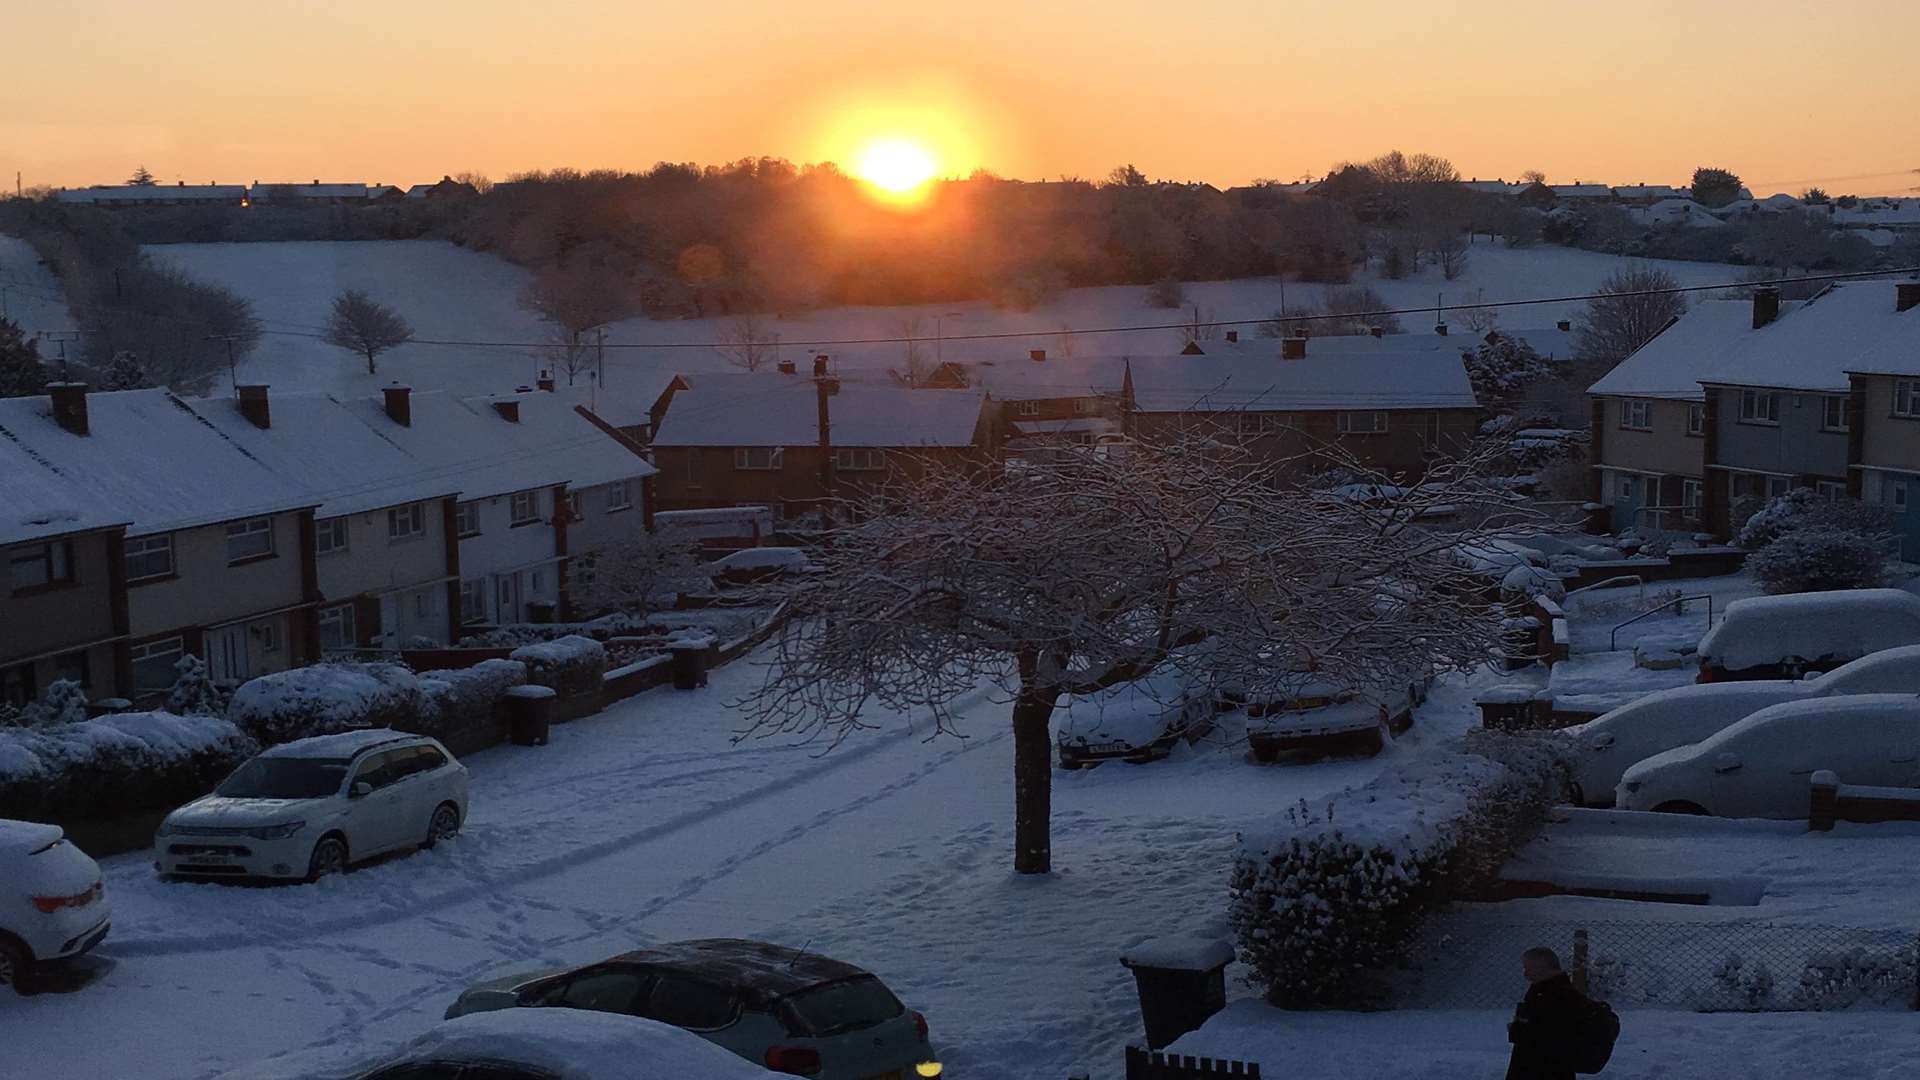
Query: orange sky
{"type": "Point", "coordinates": [400, 91]}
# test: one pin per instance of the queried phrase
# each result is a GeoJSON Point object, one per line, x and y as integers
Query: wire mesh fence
{"type": "Point", "coordinates": [1461, 961]}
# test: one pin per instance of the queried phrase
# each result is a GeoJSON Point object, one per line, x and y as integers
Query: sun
{"type": "Point", "coordinates": [898, 167]}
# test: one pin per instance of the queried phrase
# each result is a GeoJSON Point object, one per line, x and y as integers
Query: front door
{"type": "Point", "coordinates": [1627, 496]}
{"type": "Point", "coordinates": [506, 599]}
{"type": "Point", "coordinates": [228, 660]}
{"type": "Point", "coordinates": [389, 621]}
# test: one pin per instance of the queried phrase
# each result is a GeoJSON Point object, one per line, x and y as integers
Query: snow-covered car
{"type": "Point", "coordinates": [313, 807]}
{"type": "Point", "coordinates": [760, 564]}
{"type": "Point", "coordinates": [53, 904]}
{"type": "Point", "coordinates": [1324, 716]}
{"type": "Point", "coordinates": [522, 1044]}
{"type": "Point", "coordinates": [1604, 748]}
{"type": "Point", "coordinates": [1136, 722]}
{"type": "Point", "coordinates": [1771, 637]}
{"type": "Point", "coordinates": [1763, 766]}
{"type": "Point", "coordinates": [790, 1010]}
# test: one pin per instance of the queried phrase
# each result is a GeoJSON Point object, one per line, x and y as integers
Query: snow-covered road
{"type": "Point", "coordinates": [649, 823]}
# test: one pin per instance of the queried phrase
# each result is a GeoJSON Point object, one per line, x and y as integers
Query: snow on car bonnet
{"type": "Point", "coordinates": [1767, 629]}
{"type": "Point", "coordinates": [26, 837]}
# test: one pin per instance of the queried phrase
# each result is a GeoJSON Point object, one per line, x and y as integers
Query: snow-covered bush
{"type": "Point", "coordinates": [115, 764]}
{"type": "Point", "coordinates": [325, 698]}
{"type": "Point", "coordinates": [1504, 368]}
{"type": "Point", "coordinates": [1326, 902]}
{"type": "Point", "coordinates": [63, 703]}
{"type": "Point", "coordinates": [571, 665]}
{"type": "Point", "coordinates": [1841, 980]}
{"type": "Point", "coordinates": [1738, 987]}
{"type": "Point", "coordinates": [463, 698]}
{"type": "Point", "coordinates": [1803, 509]}
{"type": "Point", "coordinates": [1813, 560]}
{"type": "Point", "coordinates": [193, 692]}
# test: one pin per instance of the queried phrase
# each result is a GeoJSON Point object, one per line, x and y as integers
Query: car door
{"type": "Point", "coordinates": [692, 1004]}
{"type": "Point", "coordinates": [372, 824]}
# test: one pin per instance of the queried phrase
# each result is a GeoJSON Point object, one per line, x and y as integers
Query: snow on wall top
{"type": "Point", "coordinates": [147, 459]}
{"type": "Point", "coordinates": [1699, 345]}
{"type": "Point", "coordinates": [783, 410]}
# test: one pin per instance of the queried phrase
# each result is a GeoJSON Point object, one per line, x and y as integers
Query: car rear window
{"type": "Point", "coordinates": [847, 1005]}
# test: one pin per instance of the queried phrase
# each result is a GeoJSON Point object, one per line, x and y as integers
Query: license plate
{"type": "Point", "coordinates": [1096, 748]}
{"type": "Point", "coordinates": [211, 860]}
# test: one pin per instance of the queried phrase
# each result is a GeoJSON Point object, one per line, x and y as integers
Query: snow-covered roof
{"type": "Point", "coordinates": [148, 459]}
{"type": "Point", "coordinates": [1653, 191]}
{"type": "Point", "coordinates": [1550, 342]}
{"type": "Point", "coordinates": [783, 410]}
{"type": "Point", "coordinates": [1678, 212]}
{"type": "Point", "coordinates": [1025, 379]}
{"type": "Point", "coordinates": [310, 191]}
{"type": "Point", "coordinates": [1849, 326]}
{"type": "Point", "coordinates": [148, 193]}
{"type": "Point", "coordinates": [1879, 212]}
{"type": "Point", "coordinates": [1412, 371]}
{"type": "Point", "coordinates": [1494, 187]}
{"type": "Point", "coordinates": [1581, 191]}
{"type": "Point", "coordinates": [628, 398]}
{"type": "Point", "coordinates": [1699, 345]}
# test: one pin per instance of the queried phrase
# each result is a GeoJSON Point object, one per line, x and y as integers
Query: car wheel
{"type": "Point", "coordinates": [445, 824]}
{"type": "Point", "coordinates": [15, 966]}
{"type": "Point", "coordinates": [329, 857]}
{"type": "Point", "coordinates": [1678, 806]}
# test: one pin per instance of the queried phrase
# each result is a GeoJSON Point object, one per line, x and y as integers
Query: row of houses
{"type": "Point", "coordinates": [261, 532]}
{"type": "Point", "coordinates": [313, 193]}
{"type": "Point", "coordinates": [1740, 399]}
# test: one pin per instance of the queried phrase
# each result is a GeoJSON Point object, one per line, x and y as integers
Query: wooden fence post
{"type": "Point", "coordinates": [1579, 972]}
{"type": "Point", "coordinates": [1825, 804]}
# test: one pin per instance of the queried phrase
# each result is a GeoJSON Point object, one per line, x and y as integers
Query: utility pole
{"type": "Point", "coordinates": [233, 369]}
{"type": "Point", "coordinates": [823, 388]}
{"type": "Point", "coordinates": [601, 346]}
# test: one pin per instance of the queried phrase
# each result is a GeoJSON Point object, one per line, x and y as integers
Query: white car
{"type": "Point", "coordinates": [53, 904]}
{"type": "Point", "coordinates": [1769, 637]}
{"type": "Point", "coordinates": [1763, 766]}
{"type": "Point", "coordinates": [757, 563]}
{"type": "Point", "coordinates": [1606, 747]}
{"type": "Point", "coordinates": [313, 807]}
{"type": "Point", "coordinates": [524, 1044]}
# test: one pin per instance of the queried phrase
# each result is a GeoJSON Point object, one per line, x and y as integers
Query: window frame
{"type": "Point", "coordinates": [1026, 408]}
{"type": "Point", "coordinates": [1636, 414]}
{"type": "Point", "coordinates": [55, 558]}
{"type": "Point", "coordinates": [743, 458]}
{"type": "Point", "coordinates": [150, 545]}
{"type": "Point", "coordinates": [576, 506]}
{"type": "Point", "coordinates": [242, 530]}
{"type": "Point", "coordinates": [1343, 422]}
{"type": "Point", "coordinates": [1843, 405]}
{"type": "Point", "coordinates": [1830, 490]}
{"type": "Point", "coordinates": [859, 459]}
{"type": "Point", "coordinates": [1259, 423]}
{"type": "Point", "coordinates": [532, 504]}
{"type": "Point", "coordinates": [471, 613]}
{"type": "Point", "coordinates": [407, 522]}
{"type": "Point", "coordinates": [174, 647]}
{"type": "Point", "coordinates": [1697, 419]}
{"type": "Point", "coordinates": [1751, 411]}
{"type": "Point", "coordinates": [323, 528]}
{"type": "Point", "coordinates": [619, 496]}
{"type": "Point", "coordinates": [342, 616]}
{"type": "Point", "coordinates": [1905, 400]}
{"type": "Point", "coordinates": [466, 518]}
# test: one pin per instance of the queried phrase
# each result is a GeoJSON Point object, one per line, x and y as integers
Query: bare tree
{"type": "Point", "coordinates": [576, 300]}
{"type": "Point", "coordinates": [1448, 247]}
{"type": "Point", "coordinates": [1533, 176]}
{"type": "Point", "coordinates": [1086, 571]}
{"type": "Point", "coordinates": [747, 342]}
{"type": "Point", "coordinates": [1197, 325]}
{"type": "Point", "coordinates": [1628, 315]}
{"type": "Point", "coordinates": [916, 367]}
{"type": "Point", "coordinates": [637, 575]}
{"type": "Point", "coordinates": [361, 324]}
{"type": "Point", "coordinates": [568, 352]}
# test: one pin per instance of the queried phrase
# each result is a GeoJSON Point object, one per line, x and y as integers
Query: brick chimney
{"type": "Point", "coordinates": [1906, 295]}
{"type": "Point", "coordinates": [1233, 337]}
{"type": "Point", "coordinates": [1377, 331]}
{"type": "Point", "coordinates": [545, 381]}
{"type": "Point", "coordinates": [1038, 356]}
{"type": "Point", "coordinates": [820, 366]}
{"type": "Point", "coordinates": [509, 410]}
{"type": "Point", "coordinates": [399, 404]}
{"type": "Point", "coordinates": [1564, 325]}
{"type": "Point", "coordinates": [1293, 347]}
{"type": "Point", "coordinates": [1440, 328]}
{"type": "Point", "coordinates": [787, 367]}
{"type": "Point", "coordinates": [1766, 305]}
{"type": "Point", "coordinates": [69, 405]}
{"type": "Point", "coordinates": [253, 405]}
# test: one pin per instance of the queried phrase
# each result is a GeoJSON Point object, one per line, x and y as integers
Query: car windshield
{"type": "Point", "coordinates": [284, 778]}
{"type": "Point", "coordinates": [832, 1008]}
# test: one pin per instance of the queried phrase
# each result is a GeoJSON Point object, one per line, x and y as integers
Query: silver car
{"type": "Point", "coordinates": [793, 1012]}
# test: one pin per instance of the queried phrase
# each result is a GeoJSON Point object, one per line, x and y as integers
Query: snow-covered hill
{"type": "Point", "coordinates": [450, 293]}
{"type": "Point", "coordinates": [29, 295]}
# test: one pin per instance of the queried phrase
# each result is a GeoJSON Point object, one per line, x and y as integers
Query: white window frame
{"type": "Point", "coordinates": [1830, 490]}
{"type": "Point", "coordinates": [1260, 423]}
{"type": "Point", "coordinates": [1026, 408]}
{"type": "Point", "coordinates": [523, 508]}
{"type": "Point", "coordinates": [619, 496]}
{"type": "Point", "coordinates": [1693, 494]}
{"type": "Point", "coordinates": [576, 506]}
{"type": "Point", "coordinates": [330, 535]}
{"type": "Point", "coordinates": [246, 532]}
{"type": "Point", "coordinates": [1836, 412]}
{"type": "Point", "coordinates": [1697, 418]}
{"type": "Point", "coordinates": [1906, 398]}
{"type": "Point", "coordinates": [173, 648]}
{"type": "Point", "coordinates": [859, 459]}
{"type": "Point", "coordinates": [340, 619]}
{"type": "Point", "coordinates": [470, 611]}
{"type": "Point", "coordinates": [1760, 407]}
{"type": "Point", "coordinates": [146, 547]}
{"type": "Point", "coordinates": [1636, 415]}
{"type": "Point", "coordinates": [1344, 423]}
{"type": "Point", "coordinates": [1776, 486]}
{"type": "Point", "coordinates": [466, 518]}
{"type": "Point", "coordinates": [1084, 407]}
{"type": "Point", "coordinates": [54, 559]}
{"type": "Point", "coordinates": [406, 522]}
{"type": "Point", "coordinates": [744, 458]}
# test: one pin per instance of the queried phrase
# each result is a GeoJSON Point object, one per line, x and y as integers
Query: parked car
{"type": "Point", "coordinates": [749, 565]}
{"type": "Point", "coordinates": [1772, 637]}
{"type": "Point", "coordinates": [792, 1011]}
{"type": "Point", "coordinates": [1763, 766]}
{"type": "Point", "coordinates": [315, 806]}
{"type": "Point", "coordinates": [53, 904]}
{"type": "Point", "coordinates": [1325, 716]}
{"type": "Point", "coordinates": [1136, 722]}
{"type": "Point", "coordinates": [523, 1044]}
{"type": "Point", "coordinates": [1606, 747]}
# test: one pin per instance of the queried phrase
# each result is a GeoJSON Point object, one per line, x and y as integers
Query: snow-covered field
{"type": "Point", "coordinates": [647, 823]}
{"type": "Point", "coordinates": [449, 293]}
{"type": "Point", "coordinates": [30, 293]}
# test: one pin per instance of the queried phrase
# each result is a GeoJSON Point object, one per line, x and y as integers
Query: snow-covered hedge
{"type": "Point", "coordinates": [115, 764]}
{"type": "Point", "coordinates": [570, 665]}
{"type": "Point", "coordinates": [463, 698]}
{"type": "Point", "coordinates": [1816, 560]}
{"type": "Point", "coordinates": [326, 698]}
{"type": "Point", "coordinates": [1325, 901]}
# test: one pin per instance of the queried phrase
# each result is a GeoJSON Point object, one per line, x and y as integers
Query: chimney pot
{"type": "Point", "coordinates": [1293, 347]}
{"type": "Point", "coordinates": [1564, 325]}
{"type": "Point", "coordinates": [399, 404]}
{"type": "Point", "coordinates": [254, 405]}
{"type": "Point", "coordinates": [1233, 337]}
{"type": "Point", "coordinates": [820, 366]}
{"type": "Point", "coordinates": [1377, 331]}
{"type": "Point", "coordinates": [509, 410]}
{"type": "Point", "coordinates": [787, 367]}
{"type": "Point", "coordinates": [1906, 295]}
{"type": "Point", "coordinates": [69, 405]}
{"type": "Point", "coordinates": [1766, 305]}
{"type": "Point", "coordinates": [1038, 356]}
{"type": "Point", "coordinates": [1440, 328]}
{"type": "Point", "coordinates": [545, 381]}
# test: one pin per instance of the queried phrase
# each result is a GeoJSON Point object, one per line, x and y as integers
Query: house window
{"type": "Point", "coordinates": [523, 509]}
{"type": "Point", "coordinates": [153, 663]}
{"type": "Point", "coordinates": [406, 522]}
{"type": "Point", "coordinates": [329, 535]}
{"type": "Point", "coordinates": [1026, 408]}
{"type": "Point", "coordinates": [534, 581]}
{"type": "Point", "coordinates": [249, 540]}
{"type": "Point", "coordinates": [1693, 494]}
{"type": "Point", "coordinates": [422, 604]}
{"type": "Point", "coordinates": [1897, 494]}
{"type": "Point", "coordinates": [1836, 413]}
{"type": "Point", "coordinates": [859, 458]}
{"type": "Point", "coordinates": [1259, 423]}
{"type": "Point", "coordinates": [336, 628]}
{"type": "Point", "coordinates": [1696, 419]}
{"type": "Point", "coordinates": [576, 506]}
{"type": "Point", "coordinates": [1636, 415]}
{"type": "Point", "coordinates": [758, 457]}
{"type": "Point", "coordinates": [619, 497]}
{"type": "Point", "coordinates": [466, 518]}
{"type": "Point", "coordinates": [1777, 486]}
{"type": "Point", "coordinates": [1084, 407]}
{"type": "Point", "coordinates": [40, 565]}
{"type": "Point", "coordinates": [1759, 407]}
{"type": "Point", "coordinates": [1830, 490]}
{"type": "Point", "coordinates": [18, 686]}
{"type": "Point", "coordinates": [1625, 487]}
{"type": "Point", "coordinates": [473, 601]}
{"type": "Point", "coordinates": [1906, 397]}
{"type": "Point", "coordinates": [149, 557]}
{"type": "Point", "coordinates": [1361, 423]}
{"type": "Point", "coordinates": [269, 636]}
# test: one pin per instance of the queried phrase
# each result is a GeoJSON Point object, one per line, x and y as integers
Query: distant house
{"type": "Point", "coordinates": [1649, 194]}
{"type": "Point", "coordinates": [1043, 401]}
{"type": "Point", "coordinates": [128, 195]}
{"type": "Point", "coordinates": [1894, 215]}
{"type": "Point", "coordinates": [1884, 453]}
{"type": "Point", "coordinates": [1584, 193]}
{"type": "Point", "coordinates": [445, 188]}
{"type": "Point", "coordinates": [1682, 212]}
{"type": "Point", "coordinates": [310, 194]}
{"type": "Point", "coordinates": [1493, 187]}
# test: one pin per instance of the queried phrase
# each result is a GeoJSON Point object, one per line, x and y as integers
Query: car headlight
{"type": "Point", "coordinates": [1630, 786]}
{"type": "Point", "coordinates": [276, 832]}
{"type": "Point", "coordinates": [166, 827]}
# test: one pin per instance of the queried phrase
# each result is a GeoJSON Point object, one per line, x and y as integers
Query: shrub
{"type": "Point", "coordinates": [194, 693]}
{"type": "Point", "coordinates": [63, 703]}
{"type": "Point", "coordinates": [460, 699]}
{"type": "Point", "coordinates": [1801, 508]}
{"type": "Point", "coordinates": [1811, 560]}
{"type": "Point", "coordinates": [572, 666]}
{"type": "Point", "coordinates": [1324, 904]}
{"type": "Point", "coordinates": [323, 699]}
{"type": "Point", "coordinates": [115, 764]}
{"type": "Point", "coordinates": [1167, 293]}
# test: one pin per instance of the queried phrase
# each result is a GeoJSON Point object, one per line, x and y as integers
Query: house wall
{"type": "Point", "coordinates": [1402, 449]}
{"type": "Point", "coordinates": [519, 564]}
{"type": "Point", "coordinates": [205, 590]}
{"type": "Point", "coordinates": [698, 478]}
{"type": "Point", "coordinates": [49, 618]}
{"type": "Point", "coordinates": [1665, 449]}
{"type": "Point", "coordinates": [598, 526]}
{"type": "Point", "coordinates": [1885, 439]}
{"type": "Point", "coordinates": [397, 586]}
{"type": "Point", "coordinates": [1795, 446]}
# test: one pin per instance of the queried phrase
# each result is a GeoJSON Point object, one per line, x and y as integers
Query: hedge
{"type": "Point", "coordinates": [115, 764]}
{"type": "Point", "coordinates": [325, 698]}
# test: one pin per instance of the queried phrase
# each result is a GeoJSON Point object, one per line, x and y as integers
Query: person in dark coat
{"type": "Point", "coordinates": [1546, 1023]}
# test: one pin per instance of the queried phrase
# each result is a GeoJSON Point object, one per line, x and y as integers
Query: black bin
{"type": "Point", "coordinates": [530, 714]}
{"type": "Point", "coordinates": [540, 611]}
{"type": "Point", "coordinates": [1181, 984]}
{"type": "Point", "coordinates": [689, 663]}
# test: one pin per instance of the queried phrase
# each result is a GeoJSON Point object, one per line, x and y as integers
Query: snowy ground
{"type": "Point", "coordinates": [647, 823]}
{"type": "Point", "coordinates": [450, 293]}
{"type": "Point", "coordinates": [30, 294]}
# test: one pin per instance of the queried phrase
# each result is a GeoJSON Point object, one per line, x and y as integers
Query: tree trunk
{"type": "Point", "coordinates": [370, 355]}
{"type": "Point", "coordinates": [1032, 781]}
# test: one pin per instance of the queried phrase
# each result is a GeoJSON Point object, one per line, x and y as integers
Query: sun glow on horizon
{"type": "Point", "coordinates": [898, 167]}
